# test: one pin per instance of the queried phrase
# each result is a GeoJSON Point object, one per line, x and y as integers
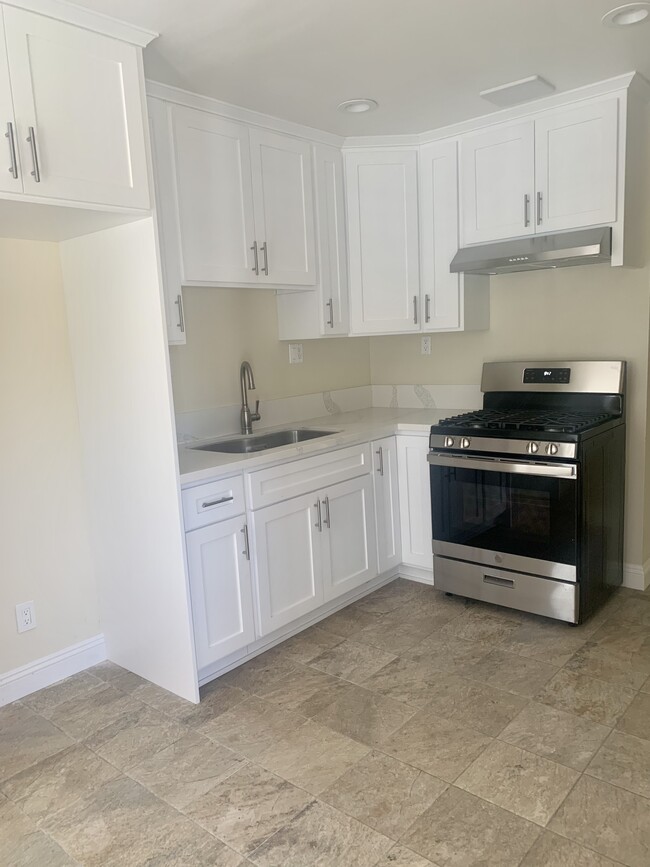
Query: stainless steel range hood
{"type": "Point", "coordinates": [588, 246]}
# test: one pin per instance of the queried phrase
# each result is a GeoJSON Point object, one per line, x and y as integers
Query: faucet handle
{"type": "Point", "coordinates": [256, 415]}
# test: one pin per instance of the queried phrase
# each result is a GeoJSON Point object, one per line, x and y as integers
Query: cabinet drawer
{"type": "Point", "coordinates": [215, 501]}
{"type": "Point", "coordinates": [299, 477]}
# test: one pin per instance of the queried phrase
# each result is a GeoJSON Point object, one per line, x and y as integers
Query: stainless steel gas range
{"type": "Point", "coordinates": [527, 493]}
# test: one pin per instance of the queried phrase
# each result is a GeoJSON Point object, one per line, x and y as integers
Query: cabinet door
{"type": "Point", "coordinates": [220, 587]}
{"type": "Point", "coordinates": [350, 543]}
{"type": "Point", "coordinates": [81, 93]}
{"type": "Point", "coordinates": [10, 181]}
{"type": "Point", "coordinates": [441, 295]}
{"type": "Point", "coordinates": [497, 183]}
{"type": "Point", "coordinates": [333, 260]}
{"type": "Point", "coordinates": [415, 501]}
{"type": "Point", "coordinates": [215, 198]}
{"type": "Point", "coordinates": [284, 208]}
{"type": "Point", "coordinates": [288, 561]}
{"type": "Point", "coordinates": [384, 464]}
{"type": "Point", "coordinates": [576, 167]}
{"type": "Point", "coordinates": [383, 245]}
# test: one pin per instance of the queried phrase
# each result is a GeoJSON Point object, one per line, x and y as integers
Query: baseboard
{"type": "Point", "coordinates": [50, 669]}
{"type": "Point", "coordinates": [636, 577]}
{"type": "Point", "coordinates": [416, 573]}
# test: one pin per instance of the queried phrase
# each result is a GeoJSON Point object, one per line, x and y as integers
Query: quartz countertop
{"type": "Point", "coordinates": [348, 428]}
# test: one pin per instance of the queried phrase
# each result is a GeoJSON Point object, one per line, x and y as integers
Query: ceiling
{"type": "Point", "coordinates": [424, 61]}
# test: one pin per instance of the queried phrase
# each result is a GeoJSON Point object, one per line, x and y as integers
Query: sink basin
{"type": "Point", "coordinates": [261, 442]}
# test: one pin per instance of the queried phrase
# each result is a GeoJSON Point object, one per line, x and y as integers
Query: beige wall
{"type": "Point", "coordinates": [44, 553]}
{"type": "Point", "coordinates": [226, 326]}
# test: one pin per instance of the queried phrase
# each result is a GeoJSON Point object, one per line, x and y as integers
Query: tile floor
{"type": "Point", "coordinates": [408, 730]}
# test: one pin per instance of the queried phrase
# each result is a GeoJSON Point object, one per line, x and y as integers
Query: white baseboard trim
{"type": "Point", "coordinates": [50, 669]}
{"type": "Point", "coordinates": [635, 576]}
{"type": "Point", "coordinates": [416, 573]}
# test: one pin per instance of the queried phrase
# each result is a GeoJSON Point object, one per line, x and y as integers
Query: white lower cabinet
{"type": "Point", "coordinates": [415, 501]}
{"type": "Point", "coordinates": [384, 463]}
{"type": "Point", "coordinates": [220, 587]}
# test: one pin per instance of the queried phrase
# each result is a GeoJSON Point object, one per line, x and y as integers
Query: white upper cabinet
{"type": "Point", "coordinates": [383, 248]}
{"type": "Point", "coordinates": [284, 208]}
{"type": "Point", "coordinates": [576, 166]}
{"type": "Point", "coordinates": [10, 181]}
{"type": "Point", "coordinates": [78, 112]}
{"type": "Point", "coordinates": [214, 196]}
{"type": "Point", "coordinates": [497, 174]}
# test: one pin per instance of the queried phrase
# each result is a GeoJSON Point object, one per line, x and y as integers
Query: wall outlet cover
{"type": "Point", "coordinates": [426, 346]}
{"type": "Point", "coordinates": [295, 353]}
{"type": "Point", "coordinates": [25, 616]}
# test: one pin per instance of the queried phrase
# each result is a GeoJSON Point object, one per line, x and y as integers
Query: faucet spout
{"type": "Point", "coordinates": [247, 380]}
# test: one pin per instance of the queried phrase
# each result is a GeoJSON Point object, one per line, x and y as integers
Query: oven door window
{"type": "Point", "coordinates": [529, 516]}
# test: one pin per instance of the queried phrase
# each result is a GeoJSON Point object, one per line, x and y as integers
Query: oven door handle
{"type": "Point", "coordinates": [496, 465]}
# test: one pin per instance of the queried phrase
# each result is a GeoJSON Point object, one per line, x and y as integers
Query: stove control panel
{"type": "Point", "coordinates": [505, 446]}
{"type": "Point", "coordinates": [553, 375]}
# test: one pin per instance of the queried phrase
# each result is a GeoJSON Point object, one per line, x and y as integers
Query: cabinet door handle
{"type": "Point", "coordinates": [415, 310]}
{"type": "Point", "coordinates": [31, 138]}
{"type": "Point", "coordinates": [526, 210]}
{"type": "Point", "coordinates": [330, 318]}
{"type": "Point", "coordinates": [181, 317]}
{"type": "Point", "coordinates": [218, 502]}
{"type": "Point", "coordinates": [328, 522]}
{"type": "Point", "coordinates": [247, 550]}
{"type": "Point", "coordinates": [427, 308]}
{"type": "Point", "coordinates": [265, 249]}
{"type": "Point", "coordinates": [380, 452]}
{"type": "Point", "coordinates": [13, 166]}
{"type": "Point", "coordinates": [319, 522]}
{"type": "Point", "coordinates": [539, 209]}
{"type": "Point", "coordinates": [256, 266]}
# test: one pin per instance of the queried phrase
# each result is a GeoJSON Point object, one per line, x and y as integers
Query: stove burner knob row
{"type": "Point", "coordinates": [552, 449]}
{"type": "Point", "coordinates": [532, 448]}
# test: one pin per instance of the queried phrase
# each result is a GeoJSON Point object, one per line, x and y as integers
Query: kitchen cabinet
{"type": "Point", "coordinates": [553, 172]}
{"type": "Point", "coordinates": [383, 245]}
{"type": "Point", "coordinates": [415, 501]}
{"type": "Point", "coordinates": [78, 118]}
{"type": "Point", "coordinates": [325, 312]}
{"type": "Point", "coordinates": [384, 464]}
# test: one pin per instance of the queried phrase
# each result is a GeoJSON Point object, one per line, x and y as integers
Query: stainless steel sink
{"type": "Point", "coordinates": [261, 442]}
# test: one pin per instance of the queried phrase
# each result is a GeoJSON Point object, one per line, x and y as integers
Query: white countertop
{"type": "Point", "coordinates": [347, 429]}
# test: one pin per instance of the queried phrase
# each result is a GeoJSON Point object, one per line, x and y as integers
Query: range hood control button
{"type": "Point", "coordinates": [552, 449]}
{"type": "Point", "coordinates": [465, 443]}
{"type": "Point", "coordinates": [449, 442]}
{"type": "Point", "coordinates": [532, 448]}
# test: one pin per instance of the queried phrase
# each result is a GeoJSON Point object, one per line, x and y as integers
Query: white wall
{"type": "Point", "coordinates": [44, 550]}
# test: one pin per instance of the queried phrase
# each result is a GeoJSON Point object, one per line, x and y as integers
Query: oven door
{"type": "Point", "coordinates": [520, 516]}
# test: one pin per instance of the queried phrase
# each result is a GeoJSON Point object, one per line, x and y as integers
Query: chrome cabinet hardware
{"type": "Point", "coordinates": [327, 521]}
{"type": "Point", "coordinates": [427, 308]}
{"type": "Point", "coordinates": [319, 522]}
{"type": "Point", "coordinates": [256, 266]}
{"type": "Point", "coordinates": [330, 318]}
{"type": "Point", "coordinates": [380, 468]}
{"type": "Point", "coordinates": [247, 549]}
{"type": "Point", "coordinates": [539, 209]}
{"type": "Point", "coordinates": [218, 502]}
{"type": "Point", "coordinates": [415, 310]}
{"type": "Point", "coordinates": [526, 209]}
{"type": "Point", "coordinates": [31, 138]}
{"type": "Point", "coordinates": [181, 317]}
{"type": "Point", "coordinates": [265, 249]}
{"type": "Point", "coordinates": [13, 166]}
{"type": "Point", "coordinates": [499, 582]}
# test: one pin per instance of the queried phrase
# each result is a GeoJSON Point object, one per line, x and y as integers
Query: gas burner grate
{"type": "Point", "coordinates": [528, 420]}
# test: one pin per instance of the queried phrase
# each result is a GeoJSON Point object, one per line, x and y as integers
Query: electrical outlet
{"type": "Point", "coordinates": [295, 353]}
{"type": "Point", "coordinates": [426, 346]}
{"type": "Point", "coordinates": [25, 616]}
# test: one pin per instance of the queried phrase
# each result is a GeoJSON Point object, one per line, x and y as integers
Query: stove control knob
{"type": "Point", "coordinates": [449, 442]}
{"type": "Point", "coordinates": [552, 449]}
{"type": "Point", "coordinates": [465, 443]}
{"type": "Point", "coordinates": [532, 448]}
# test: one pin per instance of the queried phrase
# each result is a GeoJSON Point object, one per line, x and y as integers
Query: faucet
{"type": "Point", "coordinates": [246, 416]}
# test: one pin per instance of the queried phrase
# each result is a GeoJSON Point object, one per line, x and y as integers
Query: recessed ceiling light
{"type": "Point", "coordinates": [623, 16]}
{"type": "Point", "coordinates": [355, 106]}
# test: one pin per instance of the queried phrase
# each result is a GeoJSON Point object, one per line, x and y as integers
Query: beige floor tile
{"type": "Point", "coordinates": [389, 597]}
{"type": "Point", "coordinates": [646, 686]}
{"type": "Point", "coordinates": [251, 727]}
{"type": "Point", "coordinates": [320, 836]}
{"type": "Point", "coordinates": [400, 856]}
{"type": "Point", "coordinates": [312, 757]}
{"type": "Point", "coordinates": [473, 704]}
{"type": "Point", "coordinates": [259, 672]}
{"type": "Point", "coordinates": [546, 640]}
{"type": "Point", "coordinates": [555, 734]}
{"type": "Point", "coordinates": [184, 772]}
{"type": "Point", "coordinates": [447, 653]}
{"type": "Point", "coordinates": [623, 760]}
{"type": "Point", "coordinates": [58, 781]}
{"type": "Point", "coordinates": [403, 628]}
{"type": "Point", "coordinates": [248, 807]}
{"type": "Point", "coordinates": [136, 735]}
{"type": "Point", "coordinates": [518, 781]}
{"type": "Point", "coordinates": [349, 621]}
{"type": "Point", "coordinates": [610, 820]}
{"type": "Point", "coordinates": [26, 738]}
{"type": "Point", "coordinates": [352, 661]}
{"type": "Point", "coordinates": [310, 643]}
{"type": "Point", "coordinates": [585, 696]}
{"type": "Point", "coordinates": [365, 716]}
{"type": "Point", "coordinates": [216, 698]}
{"type": "Point", "coordinates": [624, 644]}
{"type": "Point", "coordinates": [117, 676]}
{"type": "Point", "coordinates": [593, 661]}
{"type": "Point", "coordinates": [406, 679]}
{"type": "Point", "coordinates": [305, 690]}
{"type": "Point", "coordinates": [23, 845]}
{"type": "Point", "coordinates": [552, 851]}
{"type": "Point", "coordinates": [439, 746]}
{"type": "Point", "coordinates": [632, 610]}
{"type": "Point", "coordinates": [72, 687]}
{"type": "Point", "coordinates": [487, 628]}
{"type": "Point", "coordinates": [81, 717]}
{"type": "Point", "coordinates": [384, 793]}
{"type": "Point", "coordinates": [464, 831]}
{"type": "Point", "coordinates": [636, 719]}
{"type": "Point", "coordinates": [162, 700]}
{"type": "Point", "coordinates": [508, 671]}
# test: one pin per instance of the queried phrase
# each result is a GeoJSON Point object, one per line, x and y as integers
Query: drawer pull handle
{"type": "Point", "coordinates": [218, 502]}
{"type": "Point", "coordinates": [247, 548]}
{"type": "Point", "coordinates": [319, 522]}
{"type": "Point", "coordinates": [499, 582]}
